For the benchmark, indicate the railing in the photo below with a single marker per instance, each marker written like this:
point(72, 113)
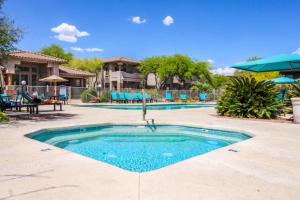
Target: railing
point(47, 91)
point(121, 75)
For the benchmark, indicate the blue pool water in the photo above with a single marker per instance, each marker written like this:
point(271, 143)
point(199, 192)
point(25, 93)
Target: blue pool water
point(150, 107)
point(139, 148)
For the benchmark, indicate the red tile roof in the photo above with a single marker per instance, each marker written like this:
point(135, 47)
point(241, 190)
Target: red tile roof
point(67, 71)
point(122, 60)
point(28, 55)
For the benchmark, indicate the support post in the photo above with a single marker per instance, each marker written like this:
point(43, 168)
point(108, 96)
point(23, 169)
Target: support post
point(144, 105)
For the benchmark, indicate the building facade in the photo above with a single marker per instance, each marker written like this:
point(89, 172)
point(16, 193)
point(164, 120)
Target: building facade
point(30, 67)
point(119, 73)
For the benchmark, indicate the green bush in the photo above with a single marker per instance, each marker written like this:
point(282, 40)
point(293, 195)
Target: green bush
point(104, 99)
point(3, 117)
point(87, 94)
point(246, 97)
point(296, 90)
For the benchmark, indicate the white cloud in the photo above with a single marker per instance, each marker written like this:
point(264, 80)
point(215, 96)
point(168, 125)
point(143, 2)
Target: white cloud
point(297, 51)
point(68, 33)
point(210, 61)
point(94, 50)
point(168, 20)
point(226, 71)
point(138, 20)
point(79, 49)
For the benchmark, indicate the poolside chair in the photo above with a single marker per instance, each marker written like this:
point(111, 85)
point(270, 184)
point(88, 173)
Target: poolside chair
point(183, 97)
point(128, 97)
point(114, 97)
point(140, 97)
point(148, 97)
point(281, 95)
point(202, 96)
point(122, 97)
point(135, 97)
point(169, 96)
point(4, 102)
point(63, 94)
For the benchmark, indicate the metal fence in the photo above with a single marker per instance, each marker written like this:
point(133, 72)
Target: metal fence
point(75, 92)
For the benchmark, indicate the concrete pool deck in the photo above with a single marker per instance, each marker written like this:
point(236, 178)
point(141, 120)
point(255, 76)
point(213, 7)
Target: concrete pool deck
point(266, 166)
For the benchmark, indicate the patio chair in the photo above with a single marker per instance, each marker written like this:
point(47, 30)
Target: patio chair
point(183, 97)
point(148, 97)
point(281, 95)
point(135, 97)
point(114, 97)
point(128, 97)
point(202, 96)
point(4, 102)
point(169, 96)
point(63, 94)
point(122, 97)
point(140, 97)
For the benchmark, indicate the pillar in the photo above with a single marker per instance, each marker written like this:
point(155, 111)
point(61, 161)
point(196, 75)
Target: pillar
point(9, 79)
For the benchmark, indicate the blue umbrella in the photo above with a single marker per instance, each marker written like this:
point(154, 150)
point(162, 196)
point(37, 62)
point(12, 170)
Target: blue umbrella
point(284, 80)
point(283, 62)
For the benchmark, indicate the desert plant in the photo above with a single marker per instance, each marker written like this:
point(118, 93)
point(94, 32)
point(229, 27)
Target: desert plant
point(246, 97)
point(3, 117)
point(296, 90)
point(87, 94)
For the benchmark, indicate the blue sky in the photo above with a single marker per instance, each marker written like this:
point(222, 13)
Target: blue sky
point(224, 31)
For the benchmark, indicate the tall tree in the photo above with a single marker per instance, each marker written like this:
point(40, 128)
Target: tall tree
point(93, 65)
point(9, 34)
point(56, 51)
point(151, 66)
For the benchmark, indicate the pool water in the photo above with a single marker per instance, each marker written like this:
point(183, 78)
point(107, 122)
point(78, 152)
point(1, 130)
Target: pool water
point(139, 148)
point(150, 107)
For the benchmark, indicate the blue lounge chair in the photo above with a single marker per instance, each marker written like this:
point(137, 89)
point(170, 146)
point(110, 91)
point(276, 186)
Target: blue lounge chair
point(114, 97)
point(135, 97)
point(202, 96)
point(128, 97)
point(122, 97)
point(4, 102)
point(183, 97)
point(63, 94)
point(169, 96)
point(147, 97)
point(140, 97)
point(281, 95)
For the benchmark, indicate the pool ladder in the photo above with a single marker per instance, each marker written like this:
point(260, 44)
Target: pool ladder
point(151, 125)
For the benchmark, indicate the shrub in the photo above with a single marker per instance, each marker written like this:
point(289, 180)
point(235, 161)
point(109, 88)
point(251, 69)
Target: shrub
point(3, 117)
point(246, 97)
point(104, 99)
point(87, 94)
point(296, 90)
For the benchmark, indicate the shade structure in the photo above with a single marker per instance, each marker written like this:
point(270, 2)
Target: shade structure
point(282, 62)
point(284, 80)
point(53, 79)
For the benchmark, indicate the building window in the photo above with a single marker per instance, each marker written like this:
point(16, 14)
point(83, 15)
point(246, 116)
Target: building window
point(78, 82)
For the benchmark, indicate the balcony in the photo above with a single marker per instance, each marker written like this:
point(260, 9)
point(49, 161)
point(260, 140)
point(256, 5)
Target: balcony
point(124, 76)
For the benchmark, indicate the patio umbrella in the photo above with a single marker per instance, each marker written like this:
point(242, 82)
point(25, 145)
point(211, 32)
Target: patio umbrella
point(283, 62)
point(53, 79)
point(2, 83)
point(284, 80)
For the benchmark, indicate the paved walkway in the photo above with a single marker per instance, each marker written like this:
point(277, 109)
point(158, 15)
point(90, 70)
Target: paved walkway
point(264, 167)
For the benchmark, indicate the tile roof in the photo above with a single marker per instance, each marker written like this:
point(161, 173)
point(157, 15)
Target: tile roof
point(121, 59)
point(74, 72)
point(28, 55)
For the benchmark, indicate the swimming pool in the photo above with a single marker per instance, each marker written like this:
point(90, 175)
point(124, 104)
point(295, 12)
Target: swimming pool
point(139, 148)
point(150, 107)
